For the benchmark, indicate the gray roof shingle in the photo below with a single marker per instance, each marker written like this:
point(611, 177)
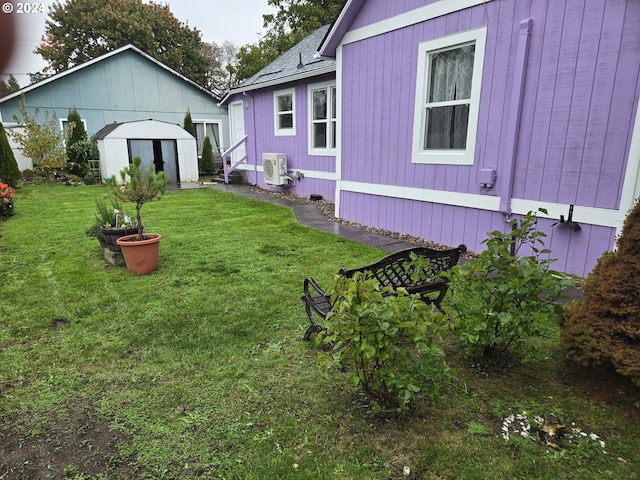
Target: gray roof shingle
point(299, 61)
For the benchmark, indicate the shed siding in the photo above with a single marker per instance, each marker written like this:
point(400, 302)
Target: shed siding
point(577, 116)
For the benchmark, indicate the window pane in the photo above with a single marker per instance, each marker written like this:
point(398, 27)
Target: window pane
point(285, 103)
point(199, 128)
point(446, 128)
point(333, 103)
point(319, 135)
point(285, 120)
point(451, 73)
point(333, 134)
point(319, 104)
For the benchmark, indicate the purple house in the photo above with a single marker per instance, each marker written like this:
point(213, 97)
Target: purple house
point(446, 118)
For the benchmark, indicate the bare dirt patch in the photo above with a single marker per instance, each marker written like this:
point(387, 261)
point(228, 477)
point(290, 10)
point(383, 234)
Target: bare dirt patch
point(71, 444)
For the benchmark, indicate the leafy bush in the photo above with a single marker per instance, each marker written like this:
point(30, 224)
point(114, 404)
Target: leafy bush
point(6, 200)
point(503, 297)
point(40, 141)
point(390, 343)
point(78, 156)
point(604, 328)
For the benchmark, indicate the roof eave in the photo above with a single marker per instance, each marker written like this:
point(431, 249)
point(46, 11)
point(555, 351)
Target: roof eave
point(339, 27)
point(112, 53)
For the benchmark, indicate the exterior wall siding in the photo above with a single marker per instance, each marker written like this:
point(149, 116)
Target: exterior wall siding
point(121, 88)
point(259, 127)
point(577, 116)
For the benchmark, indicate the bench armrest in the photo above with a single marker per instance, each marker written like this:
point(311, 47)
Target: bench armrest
point(310, 282)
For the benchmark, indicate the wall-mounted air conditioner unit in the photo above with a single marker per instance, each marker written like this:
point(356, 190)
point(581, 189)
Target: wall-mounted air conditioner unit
point(274, 168)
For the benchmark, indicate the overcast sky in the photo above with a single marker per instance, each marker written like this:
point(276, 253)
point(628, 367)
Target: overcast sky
point(237, 20)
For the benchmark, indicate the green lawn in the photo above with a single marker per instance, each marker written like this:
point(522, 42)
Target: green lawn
point(198, 370)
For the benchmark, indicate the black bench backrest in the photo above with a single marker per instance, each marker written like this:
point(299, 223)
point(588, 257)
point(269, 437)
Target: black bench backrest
point(392, 269)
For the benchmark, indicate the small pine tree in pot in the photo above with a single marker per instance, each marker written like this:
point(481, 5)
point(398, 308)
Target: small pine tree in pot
point(139, 186)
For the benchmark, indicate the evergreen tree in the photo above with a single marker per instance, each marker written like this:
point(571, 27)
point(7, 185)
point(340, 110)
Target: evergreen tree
point(187, 124)
point(605, 327)
point(8, 87)
point(9, 171)
point(206, 162)
point(77, 133)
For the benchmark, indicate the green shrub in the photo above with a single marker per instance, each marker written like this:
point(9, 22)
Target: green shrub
point(605, 326)
point(504, 297)
point(187, 124)
point(9, 171)
point(206, 162)
point(389, 343)
point(79, 155)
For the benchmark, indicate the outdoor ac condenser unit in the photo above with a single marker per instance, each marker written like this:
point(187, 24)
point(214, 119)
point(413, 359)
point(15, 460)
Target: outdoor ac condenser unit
point(274, 168)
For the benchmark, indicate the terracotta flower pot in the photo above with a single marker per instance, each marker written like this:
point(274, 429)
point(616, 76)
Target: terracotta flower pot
point(141, 257)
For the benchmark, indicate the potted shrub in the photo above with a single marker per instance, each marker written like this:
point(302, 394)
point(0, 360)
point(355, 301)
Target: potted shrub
point(110, 224)
point(139, 186)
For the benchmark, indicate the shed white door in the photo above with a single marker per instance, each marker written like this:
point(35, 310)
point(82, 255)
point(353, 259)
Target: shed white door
point(162, 154)
point(236, 119)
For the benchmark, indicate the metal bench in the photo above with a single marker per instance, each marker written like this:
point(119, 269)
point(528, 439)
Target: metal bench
point(392, 270)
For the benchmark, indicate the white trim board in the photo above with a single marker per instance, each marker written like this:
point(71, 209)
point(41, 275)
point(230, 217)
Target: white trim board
point(412, 17)
point(588, 215)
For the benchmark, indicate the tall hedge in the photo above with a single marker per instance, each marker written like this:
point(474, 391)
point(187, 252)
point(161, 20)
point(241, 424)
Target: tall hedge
point(9, 171)
point(605, 326)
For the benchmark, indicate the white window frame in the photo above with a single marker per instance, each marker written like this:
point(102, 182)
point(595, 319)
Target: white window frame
point(448, 157)
point(283, 132)
point(221, 147)
point(65, 121)
point(332, 118)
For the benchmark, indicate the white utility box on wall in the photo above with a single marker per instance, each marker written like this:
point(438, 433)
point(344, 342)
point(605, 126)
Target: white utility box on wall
point(274, 168)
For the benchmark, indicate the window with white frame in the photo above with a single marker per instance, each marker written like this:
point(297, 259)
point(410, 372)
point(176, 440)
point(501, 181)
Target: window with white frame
point(447, 98)
point(211, 129)
point(64, 122)
point(284, 106)
point(323, 119)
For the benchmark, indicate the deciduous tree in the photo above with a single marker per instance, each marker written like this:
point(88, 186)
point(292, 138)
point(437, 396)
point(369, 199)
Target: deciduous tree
point(221, 60)
point(79, 30)
point(40, 141)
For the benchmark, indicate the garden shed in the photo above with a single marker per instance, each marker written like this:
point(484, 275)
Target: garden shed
point(167, 146)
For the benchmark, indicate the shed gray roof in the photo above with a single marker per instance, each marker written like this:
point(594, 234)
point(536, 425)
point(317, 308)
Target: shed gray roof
point(106, 130)
point(110, 127)
point(299, 62)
